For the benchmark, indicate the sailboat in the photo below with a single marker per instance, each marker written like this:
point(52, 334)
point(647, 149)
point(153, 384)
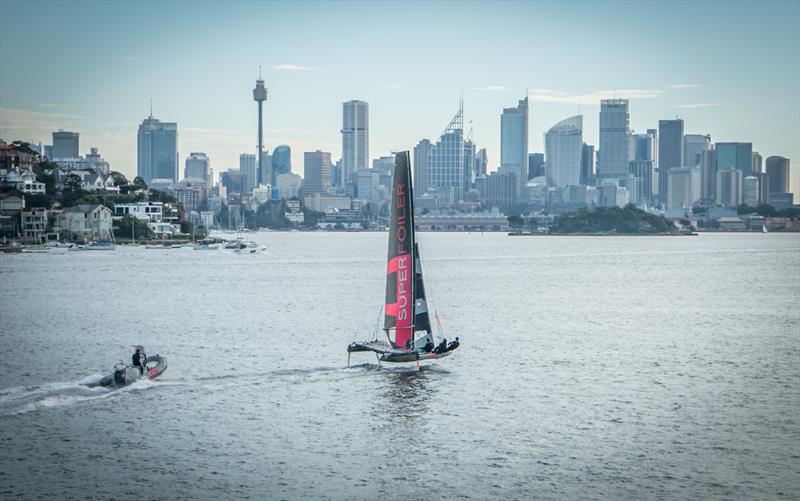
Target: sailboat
point(406, 321)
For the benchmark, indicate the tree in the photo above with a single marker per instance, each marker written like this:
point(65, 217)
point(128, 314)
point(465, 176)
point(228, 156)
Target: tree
point(141, 231)
point(139, 184)
point(38, 200)
point(119, 178)
point(515, 221)
point(73, 183)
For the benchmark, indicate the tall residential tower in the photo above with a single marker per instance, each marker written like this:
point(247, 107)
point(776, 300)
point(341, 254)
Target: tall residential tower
point(612, 158)
point(355, 139)
point(514, 143)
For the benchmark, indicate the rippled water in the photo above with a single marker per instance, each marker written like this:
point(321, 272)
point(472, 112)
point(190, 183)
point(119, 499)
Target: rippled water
point(593, 368)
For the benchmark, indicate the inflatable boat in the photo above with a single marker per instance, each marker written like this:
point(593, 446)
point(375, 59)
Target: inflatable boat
point(123, 375)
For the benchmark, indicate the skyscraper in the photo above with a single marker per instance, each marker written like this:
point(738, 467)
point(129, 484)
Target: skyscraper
point(260, 95)
point(708, 175)
point(778, 174)
point(737, 156)
point(612, 159)
point(481, 163)
point(65, 144)
point(563, 152)
point(157, 150)
point(729, 187)
point(693, 145)
point(197, 166)
point(355, 139)
point(421, 151)
point(316, 172)
point(587, 163)
point(535, 165)
point(281, 160)
point(751, 193)
point(514, 143)
point(757, 165)
point(446, 162)
point(670, 153)
point(247, 168)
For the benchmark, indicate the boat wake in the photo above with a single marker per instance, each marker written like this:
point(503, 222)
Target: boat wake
point(24, 399)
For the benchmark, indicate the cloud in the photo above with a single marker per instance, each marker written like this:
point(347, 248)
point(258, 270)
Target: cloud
point(494, 88)
point(595, 97)
point(48, 105)
point(684, 86)
point(290, 67)
point(392, 86)
point(546, 92)
point(696, 105)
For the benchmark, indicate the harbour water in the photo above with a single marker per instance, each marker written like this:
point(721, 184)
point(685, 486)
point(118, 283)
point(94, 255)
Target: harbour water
point(590, 368)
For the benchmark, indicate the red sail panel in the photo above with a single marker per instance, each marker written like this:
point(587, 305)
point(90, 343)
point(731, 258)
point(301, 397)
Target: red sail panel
point(399, 319)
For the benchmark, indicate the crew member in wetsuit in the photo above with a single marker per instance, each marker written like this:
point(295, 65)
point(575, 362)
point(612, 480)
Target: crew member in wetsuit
point(139, 360)
point(442, 346)
point(428, 345)
point(452, 346)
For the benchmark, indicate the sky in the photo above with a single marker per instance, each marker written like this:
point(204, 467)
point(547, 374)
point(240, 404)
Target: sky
point(729, 69)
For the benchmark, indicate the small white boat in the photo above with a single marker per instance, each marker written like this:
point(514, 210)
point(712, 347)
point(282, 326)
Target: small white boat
point(105, 245)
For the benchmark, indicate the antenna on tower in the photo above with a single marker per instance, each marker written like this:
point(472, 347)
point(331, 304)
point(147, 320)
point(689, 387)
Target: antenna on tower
point(259, 72)
point(151, 107)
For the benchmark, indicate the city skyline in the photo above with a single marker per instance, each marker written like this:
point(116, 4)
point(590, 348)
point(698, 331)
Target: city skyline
point(104, 92)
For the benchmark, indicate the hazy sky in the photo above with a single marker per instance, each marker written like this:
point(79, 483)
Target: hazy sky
point(730, 69)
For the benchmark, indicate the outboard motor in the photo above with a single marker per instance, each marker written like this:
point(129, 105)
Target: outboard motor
point(119, 376)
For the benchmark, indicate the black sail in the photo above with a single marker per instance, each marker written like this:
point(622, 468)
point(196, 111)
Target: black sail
point(422, 320)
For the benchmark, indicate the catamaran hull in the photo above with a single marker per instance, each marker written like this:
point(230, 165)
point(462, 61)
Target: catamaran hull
point(156, 365)
point(388, 354)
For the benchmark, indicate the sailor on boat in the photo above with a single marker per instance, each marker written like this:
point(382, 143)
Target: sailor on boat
point(139, 359)
point(407, 322)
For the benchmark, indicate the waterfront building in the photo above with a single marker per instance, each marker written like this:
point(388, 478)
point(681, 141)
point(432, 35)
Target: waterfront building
point(781, 200)
point(693, 146)
point(65, 144)
point(612, 159)
point(157, 150)
point(33, 223)
point(778, 174)
point(316, 172)
point(318, 202)
point(87, 221)
point(259, 96)
point(564, 150)
point(493, 220)
point(729, 187)
point(247, 169)
point(670, 153)
point(289, 185)
point(514, 143)
point(197, 166)
point(682, 187)
point(355, 139)
point(148, 211)
point(500, 189)
point(535, 165)
point(446, 162)
point(737, 156)
point(751, 194)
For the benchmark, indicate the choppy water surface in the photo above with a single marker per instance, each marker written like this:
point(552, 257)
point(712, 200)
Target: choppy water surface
point(627, 368)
